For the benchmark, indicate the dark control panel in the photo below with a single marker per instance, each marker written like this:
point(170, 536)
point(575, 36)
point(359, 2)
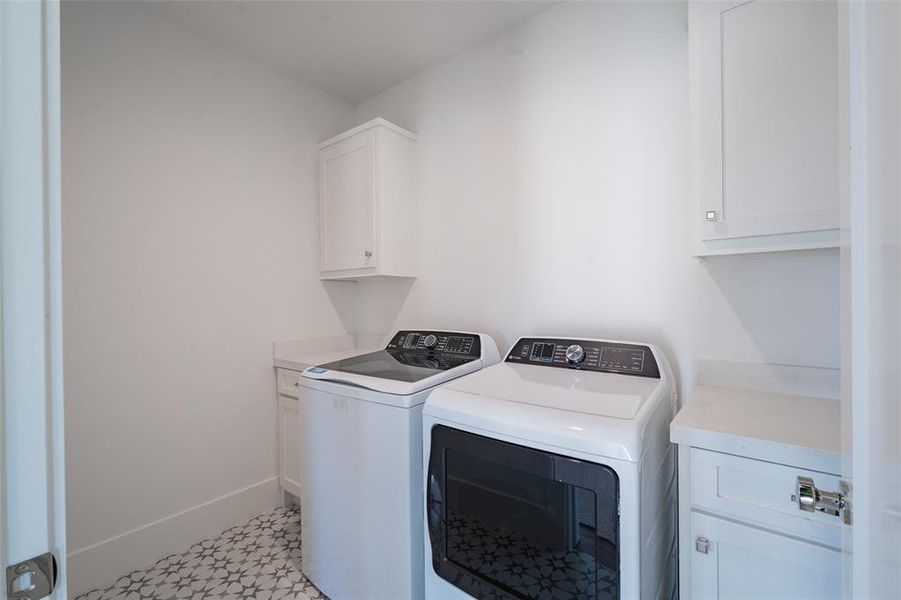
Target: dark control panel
point(586, 355)
point(437, 342)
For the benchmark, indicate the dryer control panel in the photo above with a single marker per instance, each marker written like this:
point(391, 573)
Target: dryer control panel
point(587, 355)
point(437, 342)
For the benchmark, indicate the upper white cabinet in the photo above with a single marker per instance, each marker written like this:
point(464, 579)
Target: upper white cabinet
point(367, 218)
point(765, 122)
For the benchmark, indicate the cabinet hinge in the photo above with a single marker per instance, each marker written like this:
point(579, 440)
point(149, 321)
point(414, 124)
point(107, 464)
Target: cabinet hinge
point(812, 499)
point(31, 579)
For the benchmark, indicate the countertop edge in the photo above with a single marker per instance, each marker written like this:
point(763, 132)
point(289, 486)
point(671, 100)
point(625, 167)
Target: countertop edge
point(802, 457)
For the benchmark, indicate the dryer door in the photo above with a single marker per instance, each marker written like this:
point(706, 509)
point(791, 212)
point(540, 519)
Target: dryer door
point(515, 522)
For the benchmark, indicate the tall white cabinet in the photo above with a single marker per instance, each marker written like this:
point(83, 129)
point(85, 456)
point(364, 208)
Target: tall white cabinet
point(766, 107)
point(368, 218)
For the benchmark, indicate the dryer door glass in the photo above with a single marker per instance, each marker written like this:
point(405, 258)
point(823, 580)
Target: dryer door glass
point(515, 522)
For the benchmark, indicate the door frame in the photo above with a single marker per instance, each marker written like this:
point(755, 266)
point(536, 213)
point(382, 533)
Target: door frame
point(871, 238)
point(32, 426)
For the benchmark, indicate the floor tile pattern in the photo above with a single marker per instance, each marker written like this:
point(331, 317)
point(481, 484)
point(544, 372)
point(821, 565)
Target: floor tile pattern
point(528, 570)
point(260, 560)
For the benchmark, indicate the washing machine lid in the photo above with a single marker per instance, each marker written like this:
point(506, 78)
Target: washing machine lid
point(594, 411)
point(411, 362)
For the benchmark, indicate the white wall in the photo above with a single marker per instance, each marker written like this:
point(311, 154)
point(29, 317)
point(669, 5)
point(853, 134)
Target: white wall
point(553, 185)
point(553, 191)
point(190, 244)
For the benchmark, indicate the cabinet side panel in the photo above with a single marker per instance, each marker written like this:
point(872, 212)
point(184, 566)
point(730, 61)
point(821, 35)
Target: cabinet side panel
point(397, 205)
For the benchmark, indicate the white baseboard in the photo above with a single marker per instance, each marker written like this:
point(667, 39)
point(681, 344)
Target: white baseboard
point(102, 563)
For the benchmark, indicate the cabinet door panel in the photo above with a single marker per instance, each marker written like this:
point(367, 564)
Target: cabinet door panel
point(347, 188)
point(768, 117)
point(288, 382)
point(289, 445)
point(746, 562)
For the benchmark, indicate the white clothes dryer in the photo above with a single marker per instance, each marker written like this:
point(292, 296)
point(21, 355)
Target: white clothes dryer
point(551, 475)
point(361, 461)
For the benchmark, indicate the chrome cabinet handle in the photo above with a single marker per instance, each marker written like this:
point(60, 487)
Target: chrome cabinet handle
point(702, 545)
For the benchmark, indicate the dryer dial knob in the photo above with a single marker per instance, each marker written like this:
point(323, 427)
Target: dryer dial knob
point(575, 354)
point(430, 341)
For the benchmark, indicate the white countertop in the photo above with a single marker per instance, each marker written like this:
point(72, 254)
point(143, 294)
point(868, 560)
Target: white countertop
point(303, 361)
point(298, 355)
point(801, 431)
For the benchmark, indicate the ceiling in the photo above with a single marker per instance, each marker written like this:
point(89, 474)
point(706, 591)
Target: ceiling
point(352, 49)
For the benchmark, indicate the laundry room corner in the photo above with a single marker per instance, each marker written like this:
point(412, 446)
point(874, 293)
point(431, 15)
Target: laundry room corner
point(442, 300)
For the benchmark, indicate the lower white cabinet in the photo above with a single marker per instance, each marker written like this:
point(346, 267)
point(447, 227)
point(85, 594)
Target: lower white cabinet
point(743, 534)
point(734, 560)
point(289, 445)
point(289, 433)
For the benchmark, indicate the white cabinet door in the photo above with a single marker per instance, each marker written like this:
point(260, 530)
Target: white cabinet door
point(347, 204)
point(289, 447)
point(746, 562)
point(765, 96)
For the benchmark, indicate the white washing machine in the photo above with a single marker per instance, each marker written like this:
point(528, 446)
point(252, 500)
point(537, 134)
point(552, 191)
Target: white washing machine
point(361, 476)
point(551, 475)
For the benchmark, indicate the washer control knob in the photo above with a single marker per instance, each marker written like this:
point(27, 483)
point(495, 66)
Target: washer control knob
point(575, 354)
point(430, 341)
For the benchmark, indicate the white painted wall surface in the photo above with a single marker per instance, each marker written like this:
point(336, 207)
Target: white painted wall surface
point(553, 184)
point(552, 168)
point(190, 244)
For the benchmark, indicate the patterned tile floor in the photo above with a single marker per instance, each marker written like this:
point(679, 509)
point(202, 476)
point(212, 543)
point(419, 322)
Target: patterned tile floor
point(260, 559)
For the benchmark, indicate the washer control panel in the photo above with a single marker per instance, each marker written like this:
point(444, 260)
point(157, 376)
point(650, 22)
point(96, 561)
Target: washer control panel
point(437, 342)
point(587, 355)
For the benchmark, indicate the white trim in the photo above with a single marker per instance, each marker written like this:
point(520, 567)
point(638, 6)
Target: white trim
point(32, 509)
point(53, 191)
point(377, 122)
point(102, 563)
point(857, 552)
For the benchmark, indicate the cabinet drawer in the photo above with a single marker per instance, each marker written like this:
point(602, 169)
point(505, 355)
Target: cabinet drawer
point(288, 382)
point(760, 493)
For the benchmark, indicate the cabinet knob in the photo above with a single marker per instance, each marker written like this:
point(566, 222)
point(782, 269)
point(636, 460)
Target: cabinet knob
point(711, 215)
point(368, 253)
point(702, 544)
